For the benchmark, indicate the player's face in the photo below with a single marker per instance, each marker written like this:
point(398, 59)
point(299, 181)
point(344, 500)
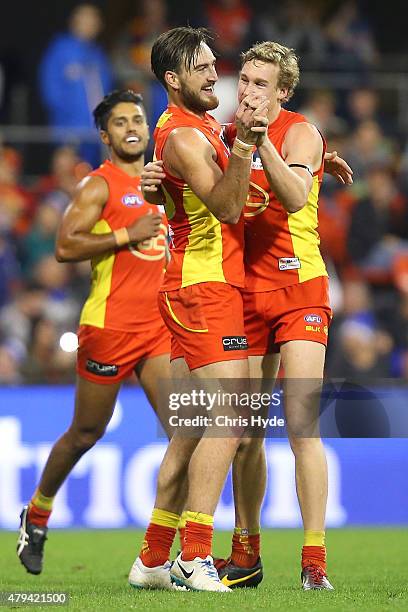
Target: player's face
point(127, 131)
point(196, 86)
point(257, 77)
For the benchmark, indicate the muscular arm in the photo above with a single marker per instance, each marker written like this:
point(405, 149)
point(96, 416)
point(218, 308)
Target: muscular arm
point(75, 241)
point(303, 145)
point(190, 156)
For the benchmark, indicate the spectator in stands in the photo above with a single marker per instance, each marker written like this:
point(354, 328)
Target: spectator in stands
point(17, 205)
point(367, 146)
point(320, 109)
point(131, 56)
point(362, 347)
point(39, 242)
point(66, 171)
point(351, 42)
point(9, 269)
point(295, 24)
point(379, 225)
point(75, 74)
point(230, 20)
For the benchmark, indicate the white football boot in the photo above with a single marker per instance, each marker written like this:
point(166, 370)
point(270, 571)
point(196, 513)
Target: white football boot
point(143, 577)
point(197, 575)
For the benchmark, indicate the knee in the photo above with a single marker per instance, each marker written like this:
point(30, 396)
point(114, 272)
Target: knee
point(250, 445)
point(83, 440)
point(302, 445)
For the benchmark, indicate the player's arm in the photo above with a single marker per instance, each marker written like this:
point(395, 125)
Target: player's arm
point(303, 145)
point(75, 240)
point(190, 156)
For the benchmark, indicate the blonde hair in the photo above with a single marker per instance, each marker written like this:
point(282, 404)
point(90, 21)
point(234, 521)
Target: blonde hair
point(283, 57)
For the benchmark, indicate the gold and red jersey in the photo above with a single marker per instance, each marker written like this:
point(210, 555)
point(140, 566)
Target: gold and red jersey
point(126, 281)
point(202, 248)
point(281, 248)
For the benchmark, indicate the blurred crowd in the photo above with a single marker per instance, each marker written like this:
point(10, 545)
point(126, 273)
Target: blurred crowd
point(363, 227)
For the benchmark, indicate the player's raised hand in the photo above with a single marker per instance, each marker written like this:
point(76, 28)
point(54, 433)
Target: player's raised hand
point(338, 167)
point(251, 113)
point(144, 228)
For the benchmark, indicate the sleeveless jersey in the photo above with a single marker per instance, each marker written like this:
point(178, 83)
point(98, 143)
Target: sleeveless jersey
point(281, 248)
point(202, 248)
point(125, 281)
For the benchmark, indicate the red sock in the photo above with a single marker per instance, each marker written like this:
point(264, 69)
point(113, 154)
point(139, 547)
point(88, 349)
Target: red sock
point(245, 548)
point(197, 541)
point(157, 544)
point(38, 516)
point(314, 555)
point(182, 535)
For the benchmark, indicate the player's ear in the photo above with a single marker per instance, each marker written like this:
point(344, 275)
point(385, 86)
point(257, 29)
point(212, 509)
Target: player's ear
point(172, 80)
point(282, 94)
point(105, 137)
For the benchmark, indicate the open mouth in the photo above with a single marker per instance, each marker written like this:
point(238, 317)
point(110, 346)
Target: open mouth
point(208, 90)
point(132, 139)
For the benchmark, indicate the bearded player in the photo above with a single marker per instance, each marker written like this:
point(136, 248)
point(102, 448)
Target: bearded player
point(205, 187)
point(286, 308)
point(121, 330)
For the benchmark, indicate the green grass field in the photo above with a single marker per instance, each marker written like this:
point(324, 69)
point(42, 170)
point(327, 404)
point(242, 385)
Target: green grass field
point(367, 567)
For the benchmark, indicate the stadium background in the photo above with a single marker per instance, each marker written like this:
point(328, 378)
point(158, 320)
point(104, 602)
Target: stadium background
point(354, 87)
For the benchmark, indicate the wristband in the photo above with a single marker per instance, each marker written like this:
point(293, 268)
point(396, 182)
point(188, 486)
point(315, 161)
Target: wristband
point(242, 149)
point(121, 236)
point(244, 144)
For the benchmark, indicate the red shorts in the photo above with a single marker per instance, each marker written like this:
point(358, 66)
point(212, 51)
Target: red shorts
point(206, 322)
point(107, 356)
point(297, 312)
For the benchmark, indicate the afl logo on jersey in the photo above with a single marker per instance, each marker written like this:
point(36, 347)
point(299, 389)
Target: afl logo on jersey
point(132, 200)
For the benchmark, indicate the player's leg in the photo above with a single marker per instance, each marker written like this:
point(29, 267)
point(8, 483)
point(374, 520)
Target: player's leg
point(94, 405)
point(209, 464)
point(243, 568)
point(151, 567)
point(303, 363)
point(200, 317)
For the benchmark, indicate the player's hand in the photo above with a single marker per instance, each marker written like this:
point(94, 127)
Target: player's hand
point(252, 113)
point(151, 179)
point(144, 228)
point(337, 167)
point(152, 176)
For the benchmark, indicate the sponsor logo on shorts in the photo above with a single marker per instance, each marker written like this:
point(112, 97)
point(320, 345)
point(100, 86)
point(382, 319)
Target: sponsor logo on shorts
point(132, 200)
point(235, 343)
point(313, 328)
point(313, 318)
point(101, 369)
point(289, 263)
point(326, 330)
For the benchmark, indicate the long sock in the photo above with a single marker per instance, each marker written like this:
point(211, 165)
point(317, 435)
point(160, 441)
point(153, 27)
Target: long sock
point(198, 536)
point(314, 549)
point(39, 509)
point(159, 537)
point(246, 546)
point(182, 528)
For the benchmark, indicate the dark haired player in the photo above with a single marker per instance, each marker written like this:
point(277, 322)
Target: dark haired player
point(206, 186)
point(121, 330)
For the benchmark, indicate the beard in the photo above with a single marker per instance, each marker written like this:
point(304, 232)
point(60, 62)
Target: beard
point(126, 156)
point(196, 102)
